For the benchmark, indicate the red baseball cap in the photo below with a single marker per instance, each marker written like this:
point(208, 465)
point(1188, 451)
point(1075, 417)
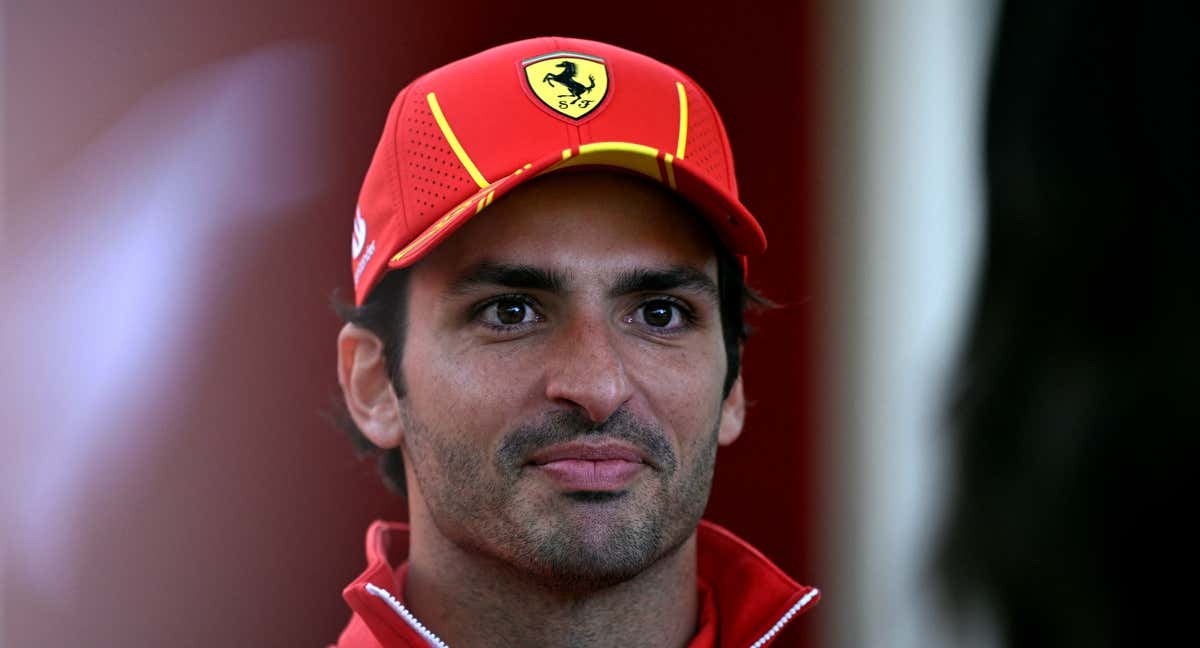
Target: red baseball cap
point(463, 135)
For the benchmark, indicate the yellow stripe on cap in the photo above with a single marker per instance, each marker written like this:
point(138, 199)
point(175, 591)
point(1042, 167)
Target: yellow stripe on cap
point(433, 229)
point(426, 235)
point(448, 133)
point(485, 201)
point(626, 155)
point(668, 158)
point(683, 120)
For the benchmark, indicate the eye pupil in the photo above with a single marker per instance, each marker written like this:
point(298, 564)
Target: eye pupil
point(510, 312)
point(657, 314)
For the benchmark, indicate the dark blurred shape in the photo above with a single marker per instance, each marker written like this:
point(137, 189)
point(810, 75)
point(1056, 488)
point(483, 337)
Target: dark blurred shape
point(1076, 418)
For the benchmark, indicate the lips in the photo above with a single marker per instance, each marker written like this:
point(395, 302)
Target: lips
point(577, 466)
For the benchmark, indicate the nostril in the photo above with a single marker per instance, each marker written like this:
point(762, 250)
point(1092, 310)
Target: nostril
point(596, 390)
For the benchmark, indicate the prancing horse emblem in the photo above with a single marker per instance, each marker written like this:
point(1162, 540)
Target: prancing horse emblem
point(557, 81)
point(567, 78)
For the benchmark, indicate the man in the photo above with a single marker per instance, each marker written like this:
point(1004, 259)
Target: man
point(549, 258)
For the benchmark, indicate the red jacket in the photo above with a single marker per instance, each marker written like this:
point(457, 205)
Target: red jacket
point(745, 600)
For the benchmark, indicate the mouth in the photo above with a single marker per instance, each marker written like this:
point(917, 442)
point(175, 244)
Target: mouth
point(604, 467)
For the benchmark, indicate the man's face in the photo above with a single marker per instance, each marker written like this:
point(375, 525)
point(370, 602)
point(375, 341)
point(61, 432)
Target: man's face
point(563, 373)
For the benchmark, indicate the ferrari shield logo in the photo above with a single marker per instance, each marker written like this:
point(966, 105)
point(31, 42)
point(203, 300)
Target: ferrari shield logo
point(569, 83)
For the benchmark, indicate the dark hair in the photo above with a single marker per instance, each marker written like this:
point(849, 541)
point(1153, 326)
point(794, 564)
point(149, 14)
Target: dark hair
point(385, 313)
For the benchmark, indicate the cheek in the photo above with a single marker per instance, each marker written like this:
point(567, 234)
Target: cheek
point(475, 389)
point(681, 386)
point(471, 389)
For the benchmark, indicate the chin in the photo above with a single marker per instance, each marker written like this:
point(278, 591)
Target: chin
point(591, 554)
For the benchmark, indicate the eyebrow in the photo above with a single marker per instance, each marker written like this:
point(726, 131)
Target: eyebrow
point(525, 277)
point(529, 277)
point(673, 278)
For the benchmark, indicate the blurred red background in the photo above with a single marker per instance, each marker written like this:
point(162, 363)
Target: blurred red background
point(198, 497)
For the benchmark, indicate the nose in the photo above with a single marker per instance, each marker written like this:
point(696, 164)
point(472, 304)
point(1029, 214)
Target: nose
point(587, 371)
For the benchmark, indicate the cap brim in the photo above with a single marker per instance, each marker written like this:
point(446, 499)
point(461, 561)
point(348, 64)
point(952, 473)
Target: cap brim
point(732, 222)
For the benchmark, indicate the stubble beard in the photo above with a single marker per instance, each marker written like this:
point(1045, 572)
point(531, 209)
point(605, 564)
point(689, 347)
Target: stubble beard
point(562, 543)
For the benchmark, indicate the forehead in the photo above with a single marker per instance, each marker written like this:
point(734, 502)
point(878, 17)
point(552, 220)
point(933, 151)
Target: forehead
point(584, 222)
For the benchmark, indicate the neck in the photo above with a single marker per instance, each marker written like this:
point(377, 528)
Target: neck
point(470, 600)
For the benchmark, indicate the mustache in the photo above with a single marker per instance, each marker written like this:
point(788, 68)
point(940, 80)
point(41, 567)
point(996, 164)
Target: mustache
point(563, 426)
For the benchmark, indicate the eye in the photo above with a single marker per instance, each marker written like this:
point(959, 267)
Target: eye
point(508, 311)
point(661, 314)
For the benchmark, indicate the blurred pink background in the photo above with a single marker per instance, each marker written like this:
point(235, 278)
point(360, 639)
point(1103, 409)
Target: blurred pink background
point(179, 181)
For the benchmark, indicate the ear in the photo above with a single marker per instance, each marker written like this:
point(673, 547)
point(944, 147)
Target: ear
point(733, 414)
point(366, 386)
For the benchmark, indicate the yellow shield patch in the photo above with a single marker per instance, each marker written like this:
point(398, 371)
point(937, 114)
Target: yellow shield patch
point(569, 83)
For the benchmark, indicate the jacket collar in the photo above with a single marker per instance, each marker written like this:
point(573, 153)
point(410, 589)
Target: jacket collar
point(745, 599)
